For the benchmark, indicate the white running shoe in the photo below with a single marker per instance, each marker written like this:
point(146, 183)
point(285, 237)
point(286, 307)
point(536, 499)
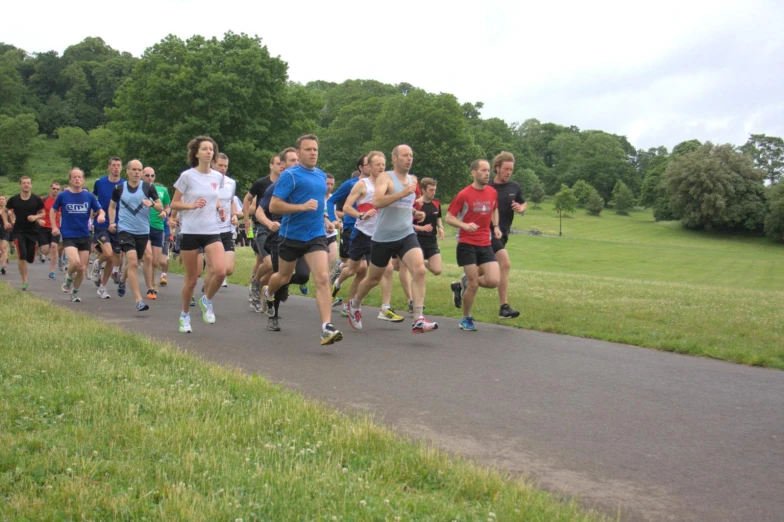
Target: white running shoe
point(102, 293)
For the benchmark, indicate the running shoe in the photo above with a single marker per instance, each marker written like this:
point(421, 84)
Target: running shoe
point(250, 290)
point(507, 312)
point(207, 314)
point(335, 273)
point(390, 315)
point(255, 290)
point(163, 281)
point(335, 290)
point(422, 325)
point(151, 295)
point(255, 305)
point(90, 269)
point(193, 301)
point(121, 289)
point(467, 324)
point(303, 289)
point(337, 301)
point(267, 306)
point(457, 294)
point(272, 324)
point(97, 273)
point(13, 249)
point(60, 264)
point(344, 310)
point(75, 296)
point(52, 276)
point(354, 317)
point(411, 307)
point(116, 277)
point(67, 285)
point(43, 259)
point(102, 293)
point(2, 271)
point(25, 286)
point(330, 335)
point(185, 324)
point(141, 306)
point(225, 283)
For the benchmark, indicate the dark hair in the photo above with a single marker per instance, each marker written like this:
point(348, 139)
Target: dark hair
point(115, 158)
point(475, 164)
point(361, 161)
point(299, 141)
point(330, 176)
point(193, 149)
point(284, 152)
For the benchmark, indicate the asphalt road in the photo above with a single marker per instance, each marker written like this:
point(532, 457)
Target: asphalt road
point(654, 435)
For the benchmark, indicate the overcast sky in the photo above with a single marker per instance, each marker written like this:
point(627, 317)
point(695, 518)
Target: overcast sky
point(658, 72)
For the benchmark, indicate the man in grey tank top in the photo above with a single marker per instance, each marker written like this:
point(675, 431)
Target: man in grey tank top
point(394, 196)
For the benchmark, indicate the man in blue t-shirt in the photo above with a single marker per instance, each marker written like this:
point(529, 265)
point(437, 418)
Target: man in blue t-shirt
point(76, 205)
point(106, 243)
point(299, 196)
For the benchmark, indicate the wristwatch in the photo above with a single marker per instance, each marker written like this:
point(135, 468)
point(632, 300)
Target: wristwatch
point(361, 216)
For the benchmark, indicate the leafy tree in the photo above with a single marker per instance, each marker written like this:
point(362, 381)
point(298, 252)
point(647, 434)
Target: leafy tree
point(230, 89)
point(567, 158)
point(74, 144)
point(716, 187)
point(767, 152)
point(774, 220)
point(537, 194)
point(565, 201)
point(685, 147)
point(526, 178)
point(594, 204)
point(12, 88)
point(623, 198)
point(581, 191)
point(443, 147)
point(17, 135)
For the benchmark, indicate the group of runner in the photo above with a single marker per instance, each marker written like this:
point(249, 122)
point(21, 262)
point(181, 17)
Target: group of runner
point(388, 220)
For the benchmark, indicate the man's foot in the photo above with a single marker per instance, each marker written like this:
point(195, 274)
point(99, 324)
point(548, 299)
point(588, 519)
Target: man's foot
point(457, 294)
point(185, 324)
point(335, 273)
point(337, 301)
point(43, 259)
point(507, 312)
point(75, 297)
point(330, 335)
point(344, 310)
point(2, 271)
point(467, 324)
point(67, 285)
point(151, 294)
point(256, 306)
point(354, 317)
point(267, 305)
point(52, 276)
point(225, 283)
point(141, 306)
point(250, 290)
point(422, 325)
point(390, 315)
point(96, 273)
point(193, 301)
point(121, 289)
point(335, 290)
point(163, 281)
point(411, 307)
point(272, 324)
point(303, 289)
point(207, 314)
point(25, 286)
point(102, 293)
point(116, 277)
point(90, 269)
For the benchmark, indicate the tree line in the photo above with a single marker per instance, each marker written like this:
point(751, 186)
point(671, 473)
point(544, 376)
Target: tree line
point(101, 102)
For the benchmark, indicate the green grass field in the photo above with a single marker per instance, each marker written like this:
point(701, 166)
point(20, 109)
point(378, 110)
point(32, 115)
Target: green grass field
point(45, 166)
point(100, 424)
point(629, 279)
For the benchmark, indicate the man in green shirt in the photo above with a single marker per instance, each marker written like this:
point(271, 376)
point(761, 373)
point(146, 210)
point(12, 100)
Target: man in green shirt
point(157, 238)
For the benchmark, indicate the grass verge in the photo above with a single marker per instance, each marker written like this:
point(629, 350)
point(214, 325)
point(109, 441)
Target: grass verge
point(99, 424)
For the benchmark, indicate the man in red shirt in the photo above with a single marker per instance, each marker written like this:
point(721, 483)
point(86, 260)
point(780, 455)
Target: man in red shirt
point(473, 211)
point(48, 243)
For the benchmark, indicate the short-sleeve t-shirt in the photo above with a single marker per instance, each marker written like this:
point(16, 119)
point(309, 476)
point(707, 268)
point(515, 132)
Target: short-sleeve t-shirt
point(508, 193)
point(24, 208)
point(75, 209)
point(298, 185)
point(194, 185)
point(258, 189)
point(226, 196)
point(103, 190)
point(48, 202)
point(472, 205)
point(432, 212)
point(156, 221)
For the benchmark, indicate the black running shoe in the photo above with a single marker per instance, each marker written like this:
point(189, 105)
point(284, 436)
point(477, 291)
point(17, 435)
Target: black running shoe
point(507, 312)
point(457, 294)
